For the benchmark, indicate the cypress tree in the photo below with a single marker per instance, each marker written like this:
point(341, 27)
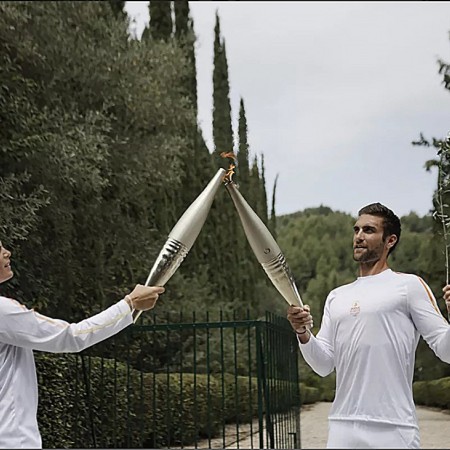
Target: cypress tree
point(223, 216)
point(253, 196)
point(243, 170)
point(185, 35)
point(257, 197)
point(262, 193)
point(117, 7)
point(183, 22)
point(273, 216)
point(251, 272)
point(160, 20)
point(222, 128)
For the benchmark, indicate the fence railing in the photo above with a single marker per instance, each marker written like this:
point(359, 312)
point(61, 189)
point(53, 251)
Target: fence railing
point(178, 383)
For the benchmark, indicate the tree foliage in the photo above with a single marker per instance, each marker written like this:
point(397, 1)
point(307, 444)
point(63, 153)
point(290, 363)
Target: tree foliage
point(93, 129)
point(222, 127)
point(101, 154)
point(243, 170)
point(160, 19)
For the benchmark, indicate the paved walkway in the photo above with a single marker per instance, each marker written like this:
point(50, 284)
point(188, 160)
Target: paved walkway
point(434, 426)
point(434, 430)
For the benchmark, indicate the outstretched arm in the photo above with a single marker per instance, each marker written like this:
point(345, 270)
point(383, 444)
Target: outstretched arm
point(23, 327)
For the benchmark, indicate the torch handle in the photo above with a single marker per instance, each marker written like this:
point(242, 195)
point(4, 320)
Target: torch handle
point(135, 314)
point(169, 259)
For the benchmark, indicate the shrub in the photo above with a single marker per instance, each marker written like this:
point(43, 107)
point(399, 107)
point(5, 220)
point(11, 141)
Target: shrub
point(309, 394)
point(91, 401)
point(433, 393)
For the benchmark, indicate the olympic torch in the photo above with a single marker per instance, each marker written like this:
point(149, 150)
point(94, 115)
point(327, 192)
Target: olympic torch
point(182, 236)
point(265, 247)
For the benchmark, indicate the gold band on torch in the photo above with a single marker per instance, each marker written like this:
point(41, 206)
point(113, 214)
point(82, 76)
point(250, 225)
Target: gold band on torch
point(182, 236)
point(265, 248)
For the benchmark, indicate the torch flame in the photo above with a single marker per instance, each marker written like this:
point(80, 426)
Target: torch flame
point(227, 178)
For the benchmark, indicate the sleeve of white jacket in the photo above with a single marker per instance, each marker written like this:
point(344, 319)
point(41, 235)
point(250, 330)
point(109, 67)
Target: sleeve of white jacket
point(318, 352)
point(23, 327)
point(427, 318)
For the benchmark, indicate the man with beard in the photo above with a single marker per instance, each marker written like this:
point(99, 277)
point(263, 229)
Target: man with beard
point(23, 330)
point(369, 334)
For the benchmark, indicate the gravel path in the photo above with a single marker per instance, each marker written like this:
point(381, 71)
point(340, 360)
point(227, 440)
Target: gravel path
point(434, 426)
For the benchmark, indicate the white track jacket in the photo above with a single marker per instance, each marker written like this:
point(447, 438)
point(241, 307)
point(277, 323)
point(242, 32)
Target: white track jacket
point(23, 330)
point(369, 333)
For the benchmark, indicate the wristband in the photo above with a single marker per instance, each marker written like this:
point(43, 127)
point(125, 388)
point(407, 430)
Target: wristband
point(303, 332)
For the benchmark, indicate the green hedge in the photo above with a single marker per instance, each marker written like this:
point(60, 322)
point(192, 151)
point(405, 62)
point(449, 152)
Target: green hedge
point(309, 394)
point(66, 406)
point(57, 399)
point(433, 393)
point(177, 407)
point(181, 408)
point(325, 385)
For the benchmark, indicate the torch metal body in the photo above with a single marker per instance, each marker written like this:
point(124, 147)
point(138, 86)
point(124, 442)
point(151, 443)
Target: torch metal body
point(265, 248)
point(182, 236)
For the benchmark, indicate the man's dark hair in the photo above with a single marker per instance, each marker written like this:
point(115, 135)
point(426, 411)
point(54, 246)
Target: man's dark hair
point(391, 223)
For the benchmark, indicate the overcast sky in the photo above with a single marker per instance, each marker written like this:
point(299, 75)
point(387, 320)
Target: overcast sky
point(335, 92)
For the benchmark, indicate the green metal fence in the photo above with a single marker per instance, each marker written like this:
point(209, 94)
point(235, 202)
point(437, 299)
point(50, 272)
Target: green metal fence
point(197, 382)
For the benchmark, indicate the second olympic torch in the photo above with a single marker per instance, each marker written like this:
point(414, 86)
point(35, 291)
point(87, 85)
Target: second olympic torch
point(265, 248)
point(182, 236)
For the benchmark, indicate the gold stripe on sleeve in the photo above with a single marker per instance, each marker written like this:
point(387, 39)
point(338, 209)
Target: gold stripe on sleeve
point(431, 297)
point(89, 330)
point(50, 320)
point(100, 327)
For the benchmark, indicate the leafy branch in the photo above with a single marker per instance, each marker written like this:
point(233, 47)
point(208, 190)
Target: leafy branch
point(443, 188)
